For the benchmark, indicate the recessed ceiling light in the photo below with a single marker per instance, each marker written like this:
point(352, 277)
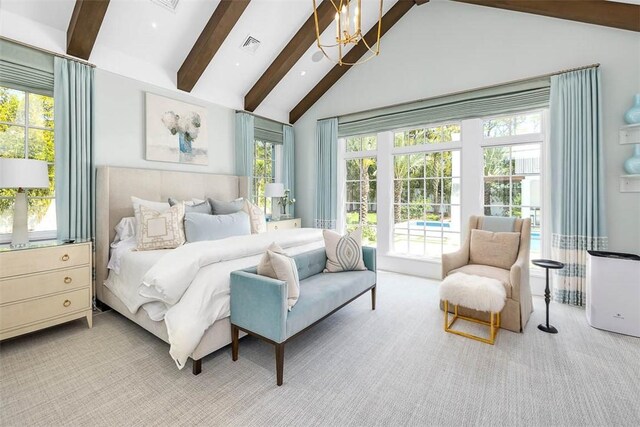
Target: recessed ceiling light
point(317, 57)
point(237, 64)
point(302, 73)
point(154, 25)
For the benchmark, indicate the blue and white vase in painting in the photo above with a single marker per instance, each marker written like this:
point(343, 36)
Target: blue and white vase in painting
point(185, 146)
point(632, 116)
point(632, 164)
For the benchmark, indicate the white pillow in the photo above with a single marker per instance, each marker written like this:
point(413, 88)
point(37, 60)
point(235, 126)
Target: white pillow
point(264, 266)
point(126, 229)
point(344, 253)
point(160, 230)
point(156, 206)
point(256, 216)
point(286, 270)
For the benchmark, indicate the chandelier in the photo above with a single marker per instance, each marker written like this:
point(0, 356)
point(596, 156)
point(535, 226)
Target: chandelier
point(348, 31)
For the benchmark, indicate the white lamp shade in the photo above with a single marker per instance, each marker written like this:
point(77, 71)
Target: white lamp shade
point(275, 189)
point(23, 173)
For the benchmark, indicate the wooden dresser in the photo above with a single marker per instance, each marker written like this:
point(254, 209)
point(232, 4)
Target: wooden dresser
point(283, 224)
point(44, 285)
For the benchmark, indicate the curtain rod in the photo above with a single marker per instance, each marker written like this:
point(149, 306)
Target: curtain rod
point(59, 55)
point(555, 73)
point(262, 117)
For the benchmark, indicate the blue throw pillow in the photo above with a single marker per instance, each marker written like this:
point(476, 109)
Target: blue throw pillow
point(225, 208)
point(199, 226)
point(203, 207)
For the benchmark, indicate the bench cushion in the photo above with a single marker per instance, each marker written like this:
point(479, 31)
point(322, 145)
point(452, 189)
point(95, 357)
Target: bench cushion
point(323, 293)
point(475, 292)
point(499, 274)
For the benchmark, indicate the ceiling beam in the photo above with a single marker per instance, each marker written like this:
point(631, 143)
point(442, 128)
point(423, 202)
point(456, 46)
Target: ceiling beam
point(214, 34)
point(84, 26)
point(292, 52)
point(600, 12)
point(392, 16)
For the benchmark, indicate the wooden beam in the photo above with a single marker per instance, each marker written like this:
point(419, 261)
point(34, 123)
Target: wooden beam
point(84, 26)
point(291, 53)
point(599, 12)
point(392, 16)
point(214, 34)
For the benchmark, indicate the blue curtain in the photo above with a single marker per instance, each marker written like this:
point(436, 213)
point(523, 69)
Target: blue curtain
point(577, 176)
point(73, 96)
point(326, 173)
point(288, 162)
point(245, 146)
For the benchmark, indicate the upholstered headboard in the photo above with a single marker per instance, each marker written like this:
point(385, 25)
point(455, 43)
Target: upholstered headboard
point(116, 185)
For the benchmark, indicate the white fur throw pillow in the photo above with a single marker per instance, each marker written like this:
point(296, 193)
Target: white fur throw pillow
point(256, 216)
point(344, 253)
point(264, 266)
point(160, 230)
point(287, 271)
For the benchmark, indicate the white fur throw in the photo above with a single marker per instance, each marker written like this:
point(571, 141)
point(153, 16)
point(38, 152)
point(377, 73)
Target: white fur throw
point(475, 292)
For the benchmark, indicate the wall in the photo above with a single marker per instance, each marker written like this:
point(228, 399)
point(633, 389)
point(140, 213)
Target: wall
point(120, 126)
point(444, 47)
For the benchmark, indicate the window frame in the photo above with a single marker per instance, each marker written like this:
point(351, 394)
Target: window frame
point(41, 234)
point(255, 197)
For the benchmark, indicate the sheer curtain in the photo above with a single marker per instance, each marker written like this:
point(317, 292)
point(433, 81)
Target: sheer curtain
point(245, 146)
point(74, 146)
point(288, 163)
point(326, 173)
point(577, 173)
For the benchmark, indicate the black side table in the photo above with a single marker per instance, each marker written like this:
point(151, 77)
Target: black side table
point(547, 264)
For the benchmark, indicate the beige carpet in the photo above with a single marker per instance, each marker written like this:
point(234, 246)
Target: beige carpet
point(392, 366)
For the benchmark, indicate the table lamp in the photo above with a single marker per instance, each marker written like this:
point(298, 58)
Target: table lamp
point(274, 190)
point(22, 174)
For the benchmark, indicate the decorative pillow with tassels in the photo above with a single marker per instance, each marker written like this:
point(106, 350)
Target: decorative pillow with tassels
point(344, 253)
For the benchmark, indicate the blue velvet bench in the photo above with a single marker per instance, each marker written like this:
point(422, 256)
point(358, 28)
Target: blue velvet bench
point(259, 303)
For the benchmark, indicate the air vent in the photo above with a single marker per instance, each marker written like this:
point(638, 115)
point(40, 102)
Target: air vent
point(167, 4)
point(250, 45)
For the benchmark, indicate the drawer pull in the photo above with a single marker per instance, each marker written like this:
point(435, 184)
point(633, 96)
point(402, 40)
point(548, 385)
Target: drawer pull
point(275, 227)
point(295, 224)
point(65, 257)
point(67, 280)
point(66, 303)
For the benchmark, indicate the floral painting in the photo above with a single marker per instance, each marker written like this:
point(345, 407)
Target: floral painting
point(176, 131)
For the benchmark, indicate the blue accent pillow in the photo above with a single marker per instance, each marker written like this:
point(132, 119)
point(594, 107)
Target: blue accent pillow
point(203, 207)
point(199, 226)
point(225, 208)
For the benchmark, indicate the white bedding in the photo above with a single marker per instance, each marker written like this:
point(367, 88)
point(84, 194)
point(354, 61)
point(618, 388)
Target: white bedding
point(188, 287)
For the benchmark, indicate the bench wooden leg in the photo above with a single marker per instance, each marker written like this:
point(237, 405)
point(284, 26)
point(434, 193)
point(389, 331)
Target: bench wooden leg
point(279, 363)
point(235, 336)
point(196, 366)
point(373, 298)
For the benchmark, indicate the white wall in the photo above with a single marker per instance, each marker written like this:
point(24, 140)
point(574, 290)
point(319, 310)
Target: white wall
point(443, 47)
point(120, 126)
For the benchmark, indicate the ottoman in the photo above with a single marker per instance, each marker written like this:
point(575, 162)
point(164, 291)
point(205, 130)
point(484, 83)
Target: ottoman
point(477, 293)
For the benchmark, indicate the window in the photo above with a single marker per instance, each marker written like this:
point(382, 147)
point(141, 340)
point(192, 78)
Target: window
point(512, 171)
point(263, 173)
point(26, 131)
point(361, 187)
point(426, 191)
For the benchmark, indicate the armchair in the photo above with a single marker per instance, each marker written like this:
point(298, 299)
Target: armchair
point(519, 304)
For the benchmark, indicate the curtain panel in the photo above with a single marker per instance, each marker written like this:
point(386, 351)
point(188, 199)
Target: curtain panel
point(288, 163)
point(326, 173)
point(74, 148)
point(495, 100)
point(577, 173)
point(27, 69)
point(245, 146)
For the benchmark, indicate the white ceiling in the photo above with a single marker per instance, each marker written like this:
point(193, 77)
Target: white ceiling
point(139, 31)
point(141, 39)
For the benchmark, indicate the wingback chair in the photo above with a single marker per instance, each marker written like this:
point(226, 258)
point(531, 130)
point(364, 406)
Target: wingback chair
point(519, 304)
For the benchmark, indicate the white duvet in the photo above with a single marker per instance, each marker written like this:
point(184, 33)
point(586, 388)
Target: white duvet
point(188, 287)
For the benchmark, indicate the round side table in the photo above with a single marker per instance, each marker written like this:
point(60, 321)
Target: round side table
point(547, 264)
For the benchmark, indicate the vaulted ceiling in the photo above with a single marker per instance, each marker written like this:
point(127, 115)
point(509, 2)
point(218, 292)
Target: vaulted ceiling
point(197, 47)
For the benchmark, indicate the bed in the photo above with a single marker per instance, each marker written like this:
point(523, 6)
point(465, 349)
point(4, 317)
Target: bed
point(115, 186)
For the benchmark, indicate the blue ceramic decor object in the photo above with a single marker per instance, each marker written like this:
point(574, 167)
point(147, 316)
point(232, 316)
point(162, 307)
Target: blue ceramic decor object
point(632, 164)
point(632, 116)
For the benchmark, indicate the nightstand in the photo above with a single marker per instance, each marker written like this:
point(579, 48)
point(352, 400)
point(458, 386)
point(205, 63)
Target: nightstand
point(42, 285)
point(283, 224)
